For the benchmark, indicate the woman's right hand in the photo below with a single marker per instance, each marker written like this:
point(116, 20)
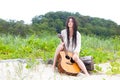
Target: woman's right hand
point(61, 45)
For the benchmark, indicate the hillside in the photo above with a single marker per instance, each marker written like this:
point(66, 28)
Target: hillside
point(51, 20)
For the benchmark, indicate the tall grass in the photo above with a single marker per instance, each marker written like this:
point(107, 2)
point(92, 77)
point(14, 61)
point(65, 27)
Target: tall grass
point(44, 46)
point(29, 47)
point(102, 49)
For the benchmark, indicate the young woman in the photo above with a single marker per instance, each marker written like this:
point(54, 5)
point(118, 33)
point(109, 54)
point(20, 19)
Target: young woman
point(72, 42)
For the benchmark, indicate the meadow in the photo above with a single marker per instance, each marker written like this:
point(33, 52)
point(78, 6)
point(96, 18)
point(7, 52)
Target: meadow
point(34, 47)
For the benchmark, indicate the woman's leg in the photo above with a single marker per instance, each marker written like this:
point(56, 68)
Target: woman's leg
point(58, 49)
point(80, 63)
point(55, 57)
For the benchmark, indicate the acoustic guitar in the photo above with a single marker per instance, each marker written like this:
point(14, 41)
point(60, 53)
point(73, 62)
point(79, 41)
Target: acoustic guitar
point(65, 62)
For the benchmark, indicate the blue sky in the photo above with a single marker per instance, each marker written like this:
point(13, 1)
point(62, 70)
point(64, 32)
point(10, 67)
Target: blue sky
point(27, 9)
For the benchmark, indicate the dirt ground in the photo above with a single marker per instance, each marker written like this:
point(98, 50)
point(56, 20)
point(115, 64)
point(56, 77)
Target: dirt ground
point(15, 69)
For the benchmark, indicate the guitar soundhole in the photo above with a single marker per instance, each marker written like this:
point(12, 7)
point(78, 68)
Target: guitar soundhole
point(71, 60)
point(67, 57)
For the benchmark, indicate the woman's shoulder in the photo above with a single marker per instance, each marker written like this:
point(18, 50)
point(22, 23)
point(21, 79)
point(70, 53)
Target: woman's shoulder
point(63, 31)
point(78, 33)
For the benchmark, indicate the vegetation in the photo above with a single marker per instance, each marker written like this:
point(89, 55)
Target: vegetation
point(44, 47)
point(51, 20)
point(100, 38)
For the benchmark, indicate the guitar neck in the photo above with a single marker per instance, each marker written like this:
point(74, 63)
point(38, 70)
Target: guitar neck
point(64, 48)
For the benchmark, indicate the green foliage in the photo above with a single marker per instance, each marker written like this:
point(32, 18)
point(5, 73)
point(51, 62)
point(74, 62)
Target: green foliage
point(98, 68)
point(115, 68)
point(31, 46)
point(49, 21)
point(31, 63)
point(43, 46)
point(100, 38)
point(101, 49)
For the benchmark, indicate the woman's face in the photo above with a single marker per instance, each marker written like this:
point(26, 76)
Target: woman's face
point(70, 23)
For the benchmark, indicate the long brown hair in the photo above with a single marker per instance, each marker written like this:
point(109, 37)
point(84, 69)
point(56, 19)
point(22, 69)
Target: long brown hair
point(74, 37)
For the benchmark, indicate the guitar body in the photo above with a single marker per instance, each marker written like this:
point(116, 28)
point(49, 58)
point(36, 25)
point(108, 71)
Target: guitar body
point(66, 66)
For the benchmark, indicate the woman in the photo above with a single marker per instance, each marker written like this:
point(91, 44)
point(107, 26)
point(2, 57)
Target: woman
point(72, 42)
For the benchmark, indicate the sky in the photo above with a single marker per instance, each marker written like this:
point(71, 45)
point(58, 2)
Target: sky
point(27, 9)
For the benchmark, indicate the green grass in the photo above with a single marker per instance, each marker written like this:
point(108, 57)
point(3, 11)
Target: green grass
point(101, 49)
point(32, 47)
point(44, 47)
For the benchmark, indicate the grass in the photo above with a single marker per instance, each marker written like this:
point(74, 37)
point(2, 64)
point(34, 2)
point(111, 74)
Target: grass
point(32, 47)
point(115, 68)
point(101, 49)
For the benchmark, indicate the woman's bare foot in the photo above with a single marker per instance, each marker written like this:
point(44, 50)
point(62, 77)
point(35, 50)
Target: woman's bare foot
point(87, 74)
point(53, 68)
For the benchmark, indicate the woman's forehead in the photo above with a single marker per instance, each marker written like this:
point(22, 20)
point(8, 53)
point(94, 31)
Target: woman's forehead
point(70, 19)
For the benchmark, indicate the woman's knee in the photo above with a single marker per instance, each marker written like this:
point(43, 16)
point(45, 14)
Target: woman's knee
point(60, 47)
point(75, 57)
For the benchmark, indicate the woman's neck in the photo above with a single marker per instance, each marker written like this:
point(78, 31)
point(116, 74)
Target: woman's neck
point(70, 32)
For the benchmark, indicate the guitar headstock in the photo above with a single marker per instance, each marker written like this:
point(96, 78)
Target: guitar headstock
point(60, 36)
